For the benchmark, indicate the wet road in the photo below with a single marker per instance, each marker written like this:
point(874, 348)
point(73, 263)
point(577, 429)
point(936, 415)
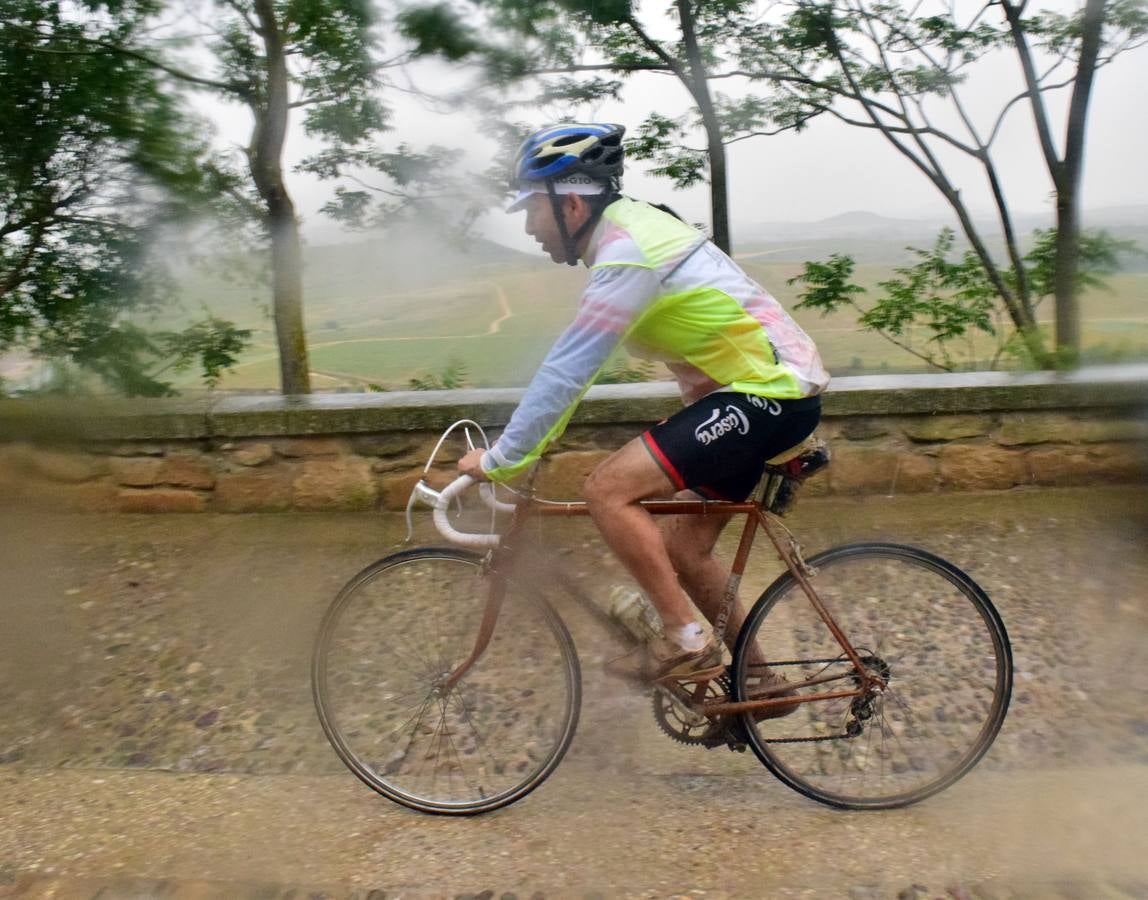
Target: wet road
point(158, 727)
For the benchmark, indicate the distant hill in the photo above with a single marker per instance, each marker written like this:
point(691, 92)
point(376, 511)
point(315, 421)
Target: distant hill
point(411, 257)
point(857, 224)
point(870, 237)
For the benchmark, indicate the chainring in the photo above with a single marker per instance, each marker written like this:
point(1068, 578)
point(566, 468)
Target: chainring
point(672, 722)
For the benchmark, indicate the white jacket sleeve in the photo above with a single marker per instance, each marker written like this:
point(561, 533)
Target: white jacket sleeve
point(611, 305)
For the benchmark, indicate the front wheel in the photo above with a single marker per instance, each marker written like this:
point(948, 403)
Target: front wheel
point(386, 646)
point(917, 622)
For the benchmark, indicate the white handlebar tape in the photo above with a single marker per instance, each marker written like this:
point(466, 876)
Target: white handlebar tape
point(442, 504)
point(486, 491)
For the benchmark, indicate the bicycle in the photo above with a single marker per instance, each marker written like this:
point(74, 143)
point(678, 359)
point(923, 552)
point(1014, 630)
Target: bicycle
point(451, 687)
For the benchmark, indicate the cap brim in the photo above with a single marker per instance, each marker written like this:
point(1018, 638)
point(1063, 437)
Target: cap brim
point(519, 201)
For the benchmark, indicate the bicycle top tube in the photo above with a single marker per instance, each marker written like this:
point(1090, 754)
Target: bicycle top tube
point(440, 501)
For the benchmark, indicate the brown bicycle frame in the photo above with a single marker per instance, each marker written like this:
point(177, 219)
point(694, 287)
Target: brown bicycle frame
point(502, 559)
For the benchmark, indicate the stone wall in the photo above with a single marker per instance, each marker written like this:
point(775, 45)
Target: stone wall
point(889, 434)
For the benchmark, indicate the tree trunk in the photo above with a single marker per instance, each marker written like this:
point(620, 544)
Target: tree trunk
point(715, 148)
point(1065, 280)
point(266, 160)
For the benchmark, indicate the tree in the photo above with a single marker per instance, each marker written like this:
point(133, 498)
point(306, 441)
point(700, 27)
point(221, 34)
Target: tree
point(569, 45)
point(94, 163)
point(275, 57)
point(951, 301)
point(877, 65)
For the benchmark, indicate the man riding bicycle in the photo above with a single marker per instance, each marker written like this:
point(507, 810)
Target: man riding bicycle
point(749, 379)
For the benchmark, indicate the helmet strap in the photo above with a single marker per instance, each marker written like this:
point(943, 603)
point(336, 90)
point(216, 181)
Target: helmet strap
point(597, 204)
point(569, 244)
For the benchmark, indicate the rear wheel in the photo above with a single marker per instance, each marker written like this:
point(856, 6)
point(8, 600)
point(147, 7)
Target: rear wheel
point(920, 624)
point(387, 644)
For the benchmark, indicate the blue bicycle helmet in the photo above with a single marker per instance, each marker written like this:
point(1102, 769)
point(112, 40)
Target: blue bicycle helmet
point(559, 151)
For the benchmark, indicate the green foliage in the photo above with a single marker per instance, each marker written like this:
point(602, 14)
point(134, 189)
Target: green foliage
point(436, 29)
point(659, 140)
point(449, 379)
point(1099, 255)
point(95, 163)
point(214, 343)
point(426, 185)
point(948, 300)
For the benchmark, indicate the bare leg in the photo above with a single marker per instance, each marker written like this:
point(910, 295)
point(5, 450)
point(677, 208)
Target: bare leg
point(690, 542)
point(613, 492)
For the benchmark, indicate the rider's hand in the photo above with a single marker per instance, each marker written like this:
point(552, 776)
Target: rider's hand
point(471, 465)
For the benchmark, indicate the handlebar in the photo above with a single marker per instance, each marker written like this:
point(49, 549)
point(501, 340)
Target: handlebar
point(440, 502)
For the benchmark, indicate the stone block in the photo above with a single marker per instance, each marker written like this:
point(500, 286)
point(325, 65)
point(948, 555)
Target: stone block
point(398, 464)
point(251, 455)
point(1035, 428)
point(564, 474)
point(135, 448)
point(916, 473)
point(982, 467)
point(187, 471)
point(601, 437)
point(858, 469)
point(1098, 431)
point(342, 483)
point(1099, 463)
point(160, 500)
point(387, 445)
point(396, 488)
point(251, 492)
point(136, 471)
point(923, 429)
point(864, 428)
point(69, 467)
point(309, 447)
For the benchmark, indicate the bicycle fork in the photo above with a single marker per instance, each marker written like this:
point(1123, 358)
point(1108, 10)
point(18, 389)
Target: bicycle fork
point(494, 597)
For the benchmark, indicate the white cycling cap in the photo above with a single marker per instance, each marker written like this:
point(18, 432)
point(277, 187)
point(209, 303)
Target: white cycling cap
point(572, 184)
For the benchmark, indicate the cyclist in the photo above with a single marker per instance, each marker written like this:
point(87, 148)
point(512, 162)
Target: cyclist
point(749, 379)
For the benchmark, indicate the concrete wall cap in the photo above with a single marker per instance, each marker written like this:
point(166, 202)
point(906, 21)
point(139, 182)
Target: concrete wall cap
point(235, 416)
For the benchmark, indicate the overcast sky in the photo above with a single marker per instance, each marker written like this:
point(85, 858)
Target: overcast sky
point(828, 169)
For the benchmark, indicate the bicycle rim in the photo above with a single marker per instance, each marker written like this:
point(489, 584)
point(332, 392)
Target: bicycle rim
point(386, 644)
point(918, 622)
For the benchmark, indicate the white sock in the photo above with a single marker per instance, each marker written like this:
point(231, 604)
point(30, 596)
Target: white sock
point(688, 637)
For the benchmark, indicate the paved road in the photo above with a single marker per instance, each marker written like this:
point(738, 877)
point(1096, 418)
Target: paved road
point(158, 741)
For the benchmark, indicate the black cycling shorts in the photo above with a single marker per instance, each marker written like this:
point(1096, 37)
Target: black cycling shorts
point(718, 446)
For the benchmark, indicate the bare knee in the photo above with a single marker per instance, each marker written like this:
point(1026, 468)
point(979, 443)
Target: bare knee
point(599, 491)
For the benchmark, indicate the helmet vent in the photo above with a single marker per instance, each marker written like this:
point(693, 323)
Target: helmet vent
point(541, 162)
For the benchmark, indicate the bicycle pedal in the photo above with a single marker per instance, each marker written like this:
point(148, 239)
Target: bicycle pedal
point(689, 713)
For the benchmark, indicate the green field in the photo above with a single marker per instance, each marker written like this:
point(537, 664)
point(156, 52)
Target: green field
point(379, 315)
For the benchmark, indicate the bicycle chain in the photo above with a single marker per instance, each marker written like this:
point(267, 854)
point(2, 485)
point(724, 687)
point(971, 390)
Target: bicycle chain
point(717, 735)
point(846, 736)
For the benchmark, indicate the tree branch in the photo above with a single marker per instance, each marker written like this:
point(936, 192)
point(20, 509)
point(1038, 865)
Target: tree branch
point(243, 14)
point(658, 50)
point(1017, 99)
point(1039, 112)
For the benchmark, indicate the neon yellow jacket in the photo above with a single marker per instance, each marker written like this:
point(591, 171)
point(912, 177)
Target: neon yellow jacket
point(665, 291)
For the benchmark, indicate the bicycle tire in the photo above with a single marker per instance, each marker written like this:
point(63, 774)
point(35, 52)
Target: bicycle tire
point(918, 621)
point(515, 711)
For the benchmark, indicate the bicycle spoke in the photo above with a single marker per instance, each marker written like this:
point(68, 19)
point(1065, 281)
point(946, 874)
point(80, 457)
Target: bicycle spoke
point(918, 624)
point(398, 631)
